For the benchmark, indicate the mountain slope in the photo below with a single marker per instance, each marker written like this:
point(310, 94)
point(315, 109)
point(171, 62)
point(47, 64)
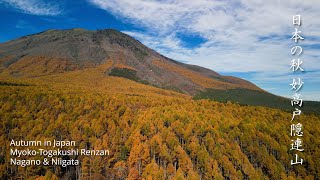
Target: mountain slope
point(117, 54)
point(57, 51)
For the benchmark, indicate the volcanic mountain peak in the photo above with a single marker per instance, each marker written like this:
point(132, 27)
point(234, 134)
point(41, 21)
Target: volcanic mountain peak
point(55, 51)
point(107, 53)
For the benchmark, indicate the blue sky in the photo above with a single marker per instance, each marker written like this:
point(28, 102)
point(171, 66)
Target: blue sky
point(247, 39)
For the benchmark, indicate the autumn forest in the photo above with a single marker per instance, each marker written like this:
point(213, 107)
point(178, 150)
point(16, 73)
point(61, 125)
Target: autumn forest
point(121, 96)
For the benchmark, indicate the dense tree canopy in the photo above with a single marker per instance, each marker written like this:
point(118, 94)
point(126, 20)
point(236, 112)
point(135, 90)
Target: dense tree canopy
point(151, 133)
point(155, 138)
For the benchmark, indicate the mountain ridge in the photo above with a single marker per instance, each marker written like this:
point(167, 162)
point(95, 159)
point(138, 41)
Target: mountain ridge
point(79, 48)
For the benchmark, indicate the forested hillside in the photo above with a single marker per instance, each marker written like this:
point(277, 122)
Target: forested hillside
point(151, 133)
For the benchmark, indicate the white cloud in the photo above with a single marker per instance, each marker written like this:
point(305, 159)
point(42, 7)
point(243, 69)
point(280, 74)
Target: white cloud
point(241, 36)
point(35, 7)
point(158, 15)
point(232, 30)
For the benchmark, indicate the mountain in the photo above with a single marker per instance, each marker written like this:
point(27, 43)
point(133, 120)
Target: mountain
point(58, 51)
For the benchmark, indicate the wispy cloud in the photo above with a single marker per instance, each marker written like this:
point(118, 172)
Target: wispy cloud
point(233, 30)
point(241, 36)
point(21, 24)
point(35, 7)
